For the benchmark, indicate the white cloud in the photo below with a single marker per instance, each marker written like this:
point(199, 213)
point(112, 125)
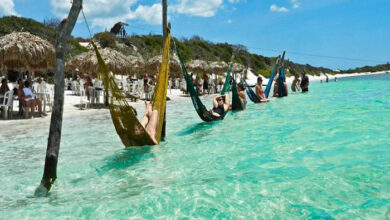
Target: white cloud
point(201, 8)
point(105, 13)
point(275, 8)
point(229, 21)
point(150, 14)
point(234, 1)
point(7, 8)
point(295, 4)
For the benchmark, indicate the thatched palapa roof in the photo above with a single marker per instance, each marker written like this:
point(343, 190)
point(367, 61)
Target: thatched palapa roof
point(115, 61)
point(154, 63)
point(238, 68)
point(198, 66)
point(22, 49)
point(219, 67)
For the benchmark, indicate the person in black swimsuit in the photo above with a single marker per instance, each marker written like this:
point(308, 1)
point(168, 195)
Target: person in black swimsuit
point(220, 105)
point(305, 83)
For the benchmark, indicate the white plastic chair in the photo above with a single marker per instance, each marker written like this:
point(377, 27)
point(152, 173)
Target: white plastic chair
point(8, 104)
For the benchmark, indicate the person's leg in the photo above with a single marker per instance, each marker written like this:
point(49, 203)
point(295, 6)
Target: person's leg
point(148, 111)
point(39, 103)
point(152, 125)
point(30, 104)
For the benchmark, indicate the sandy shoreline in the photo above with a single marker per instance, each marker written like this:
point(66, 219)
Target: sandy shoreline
point(71, 109)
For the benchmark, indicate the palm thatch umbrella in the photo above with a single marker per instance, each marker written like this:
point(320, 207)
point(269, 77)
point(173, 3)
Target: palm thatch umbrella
point(22, 49)
point(115, 61)
point(198, 66)
point(238, 68)
point(154, 63)
point(219, 67)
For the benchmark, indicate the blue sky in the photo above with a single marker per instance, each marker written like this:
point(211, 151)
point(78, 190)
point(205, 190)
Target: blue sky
point(355, 29)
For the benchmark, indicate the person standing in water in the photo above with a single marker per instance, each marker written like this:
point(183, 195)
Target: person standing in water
point(295, 84)
point(305, 83)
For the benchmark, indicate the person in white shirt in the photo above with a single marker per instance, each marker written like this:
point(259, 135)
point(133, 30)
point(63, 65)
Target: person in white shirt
point(27, 96)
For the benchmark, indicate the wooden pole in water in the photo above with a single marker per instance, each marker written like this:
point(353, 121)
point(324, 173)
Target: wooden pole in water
point(165, 34)
point(53, 145)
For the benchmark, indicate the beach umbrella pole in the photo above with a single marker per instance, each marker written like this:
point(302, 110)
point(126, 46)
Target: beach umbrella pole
point(53, 145)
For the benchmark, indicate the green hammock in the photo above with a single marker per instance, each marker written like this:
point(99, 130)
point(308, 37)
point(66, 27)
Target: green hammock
point(203, 113)
point(237, 104)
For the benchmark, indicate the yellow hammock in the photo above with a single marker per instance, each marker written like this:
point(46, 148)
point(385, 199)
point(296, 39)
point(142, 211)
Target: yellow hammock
point(129, 129)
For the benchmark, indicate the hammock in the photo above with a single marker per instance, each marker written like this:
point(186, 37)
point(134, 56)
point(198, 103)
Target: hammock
point(282, 80)
point(237, 104)
point(129, 129)
point(271, 79)
point(203, 113)
point(252, 95)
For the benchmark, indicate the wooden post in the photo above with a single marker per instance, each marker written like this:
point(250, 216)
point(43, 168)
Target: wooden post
point(165, 34)
point(165, 21)
point(53, 145)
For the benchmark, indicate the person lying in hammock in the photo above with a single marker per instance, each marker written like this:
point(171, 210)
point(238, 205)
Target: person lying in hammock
point(149, 121)
point(221, 105)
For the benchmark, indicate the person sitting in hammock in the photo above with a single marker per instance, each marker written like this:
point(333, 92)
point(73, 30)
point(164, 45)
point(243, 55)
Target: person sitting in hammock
point(149, 121)
point(241, 93)
point(221, 105)
point(259, 90)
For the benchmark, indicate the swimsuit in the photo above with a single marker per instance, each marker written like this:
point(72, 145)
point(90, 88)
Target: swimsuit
point(219, 110)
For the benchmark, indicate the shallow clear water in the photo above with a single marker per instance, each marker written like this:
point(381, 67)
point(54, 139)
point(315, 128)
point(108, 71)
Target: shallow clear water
point(321, 155)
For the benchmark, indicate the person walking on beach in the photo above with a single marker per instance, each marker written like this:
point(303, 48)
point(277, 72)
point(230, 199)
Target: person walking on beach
point(305, 83)
point(259, 90)
point(295, 84)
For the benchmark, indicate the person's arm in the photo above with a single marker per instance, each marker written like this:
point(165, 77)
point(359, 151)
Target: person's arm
point(227, 102)
point(215, 103)
point(257, 88)
point(285, 87)
point(242, 95)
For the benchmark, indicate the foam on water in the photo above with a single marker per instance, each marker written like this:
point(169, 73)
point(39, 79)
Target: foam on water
point(324, 155)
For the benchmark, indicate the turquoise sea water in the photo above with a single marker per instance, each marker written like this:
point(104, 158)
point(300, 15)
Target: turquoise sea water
point(321, 155)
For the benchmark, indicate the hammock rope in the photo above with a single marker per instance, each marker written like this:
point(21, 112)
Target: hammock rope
point(202, 111)
point(126, 124)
